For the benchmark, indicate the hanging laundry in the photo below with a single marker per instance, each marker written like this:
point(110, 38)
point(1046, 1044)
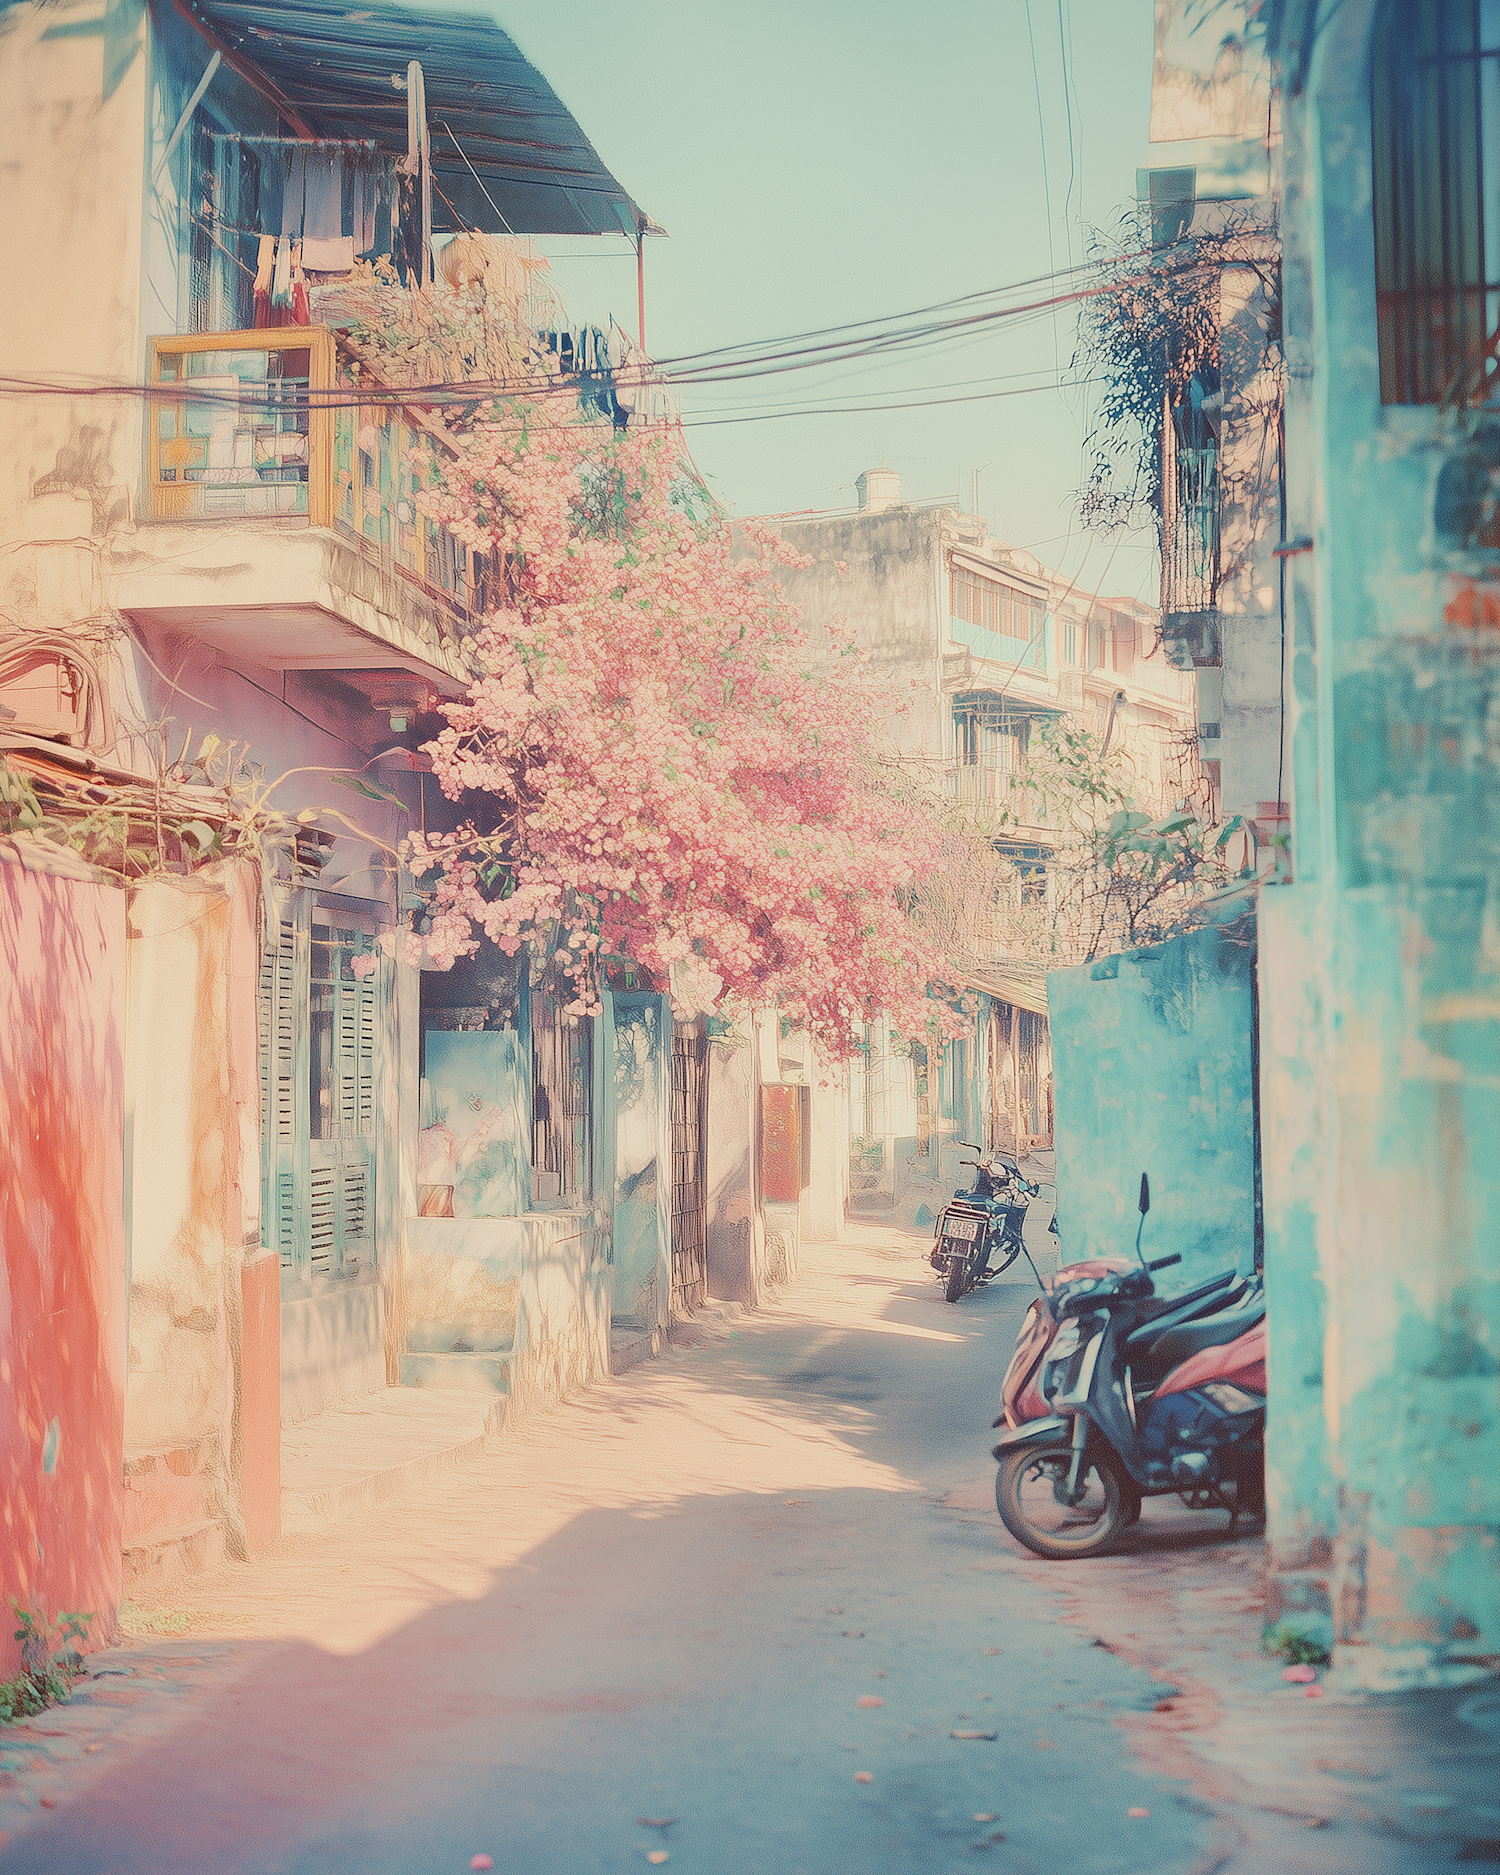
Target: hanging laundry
point(265, 269)
point(325, 254)
point(301, 307)
point(281, 279)
point(294, 196)
point(323, 201)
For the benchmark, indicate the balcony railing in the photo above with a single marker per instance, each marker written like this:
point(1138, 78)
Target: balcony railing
point(1191, 570)
point(272, 426)
point(994, 790)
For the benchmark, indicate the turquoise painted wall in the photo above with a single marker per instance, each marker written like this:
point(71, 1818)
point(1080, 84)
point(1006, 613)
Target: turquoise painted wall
point(478, 1087)
point(1152, 1072)
point(1381, 1081)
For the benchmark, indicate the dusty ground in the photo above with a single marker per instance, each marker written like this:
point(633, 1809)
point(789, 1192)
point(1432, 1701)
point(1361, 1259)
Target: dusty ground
point(666, 1600)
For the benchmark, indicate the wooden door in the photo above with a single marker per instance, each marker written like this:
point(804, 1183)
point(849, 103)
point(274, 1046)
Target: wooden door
point(689, 1167)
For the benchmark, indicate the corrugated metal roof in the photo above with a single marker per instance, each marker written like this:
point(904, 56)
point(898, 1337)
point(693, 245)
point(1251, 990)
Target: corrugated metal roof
point(336, 64)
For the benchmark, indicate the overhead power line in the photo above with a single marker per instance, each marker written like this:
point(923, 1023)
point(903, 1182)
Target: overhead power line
point(777, 358)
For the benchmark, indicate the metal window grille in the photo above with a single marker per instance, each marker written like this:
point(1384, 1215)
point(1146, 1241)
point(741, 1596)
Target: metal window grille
point(562, 1056)
point(1435, 111)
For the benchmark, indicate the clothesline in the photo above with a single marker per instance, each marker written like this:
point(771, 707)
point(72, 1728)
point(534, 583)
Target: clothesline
point(298, 143)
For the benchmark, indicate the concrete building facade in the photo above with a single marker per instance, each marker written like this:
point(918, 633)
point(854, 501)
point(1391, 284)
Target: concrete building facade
point(975, 647)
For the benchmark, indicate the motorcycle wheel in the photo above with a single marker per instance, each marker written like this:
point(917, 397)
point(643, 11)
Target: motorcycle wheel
point(958, 1276)
point(1010, 1249)
point(1029, 1508)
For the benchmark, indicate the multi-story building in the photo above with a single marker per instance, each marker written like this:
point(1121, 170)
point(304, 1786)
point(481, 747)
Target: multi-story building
point(1212, 225)
point(977, 647)
point(208, 528)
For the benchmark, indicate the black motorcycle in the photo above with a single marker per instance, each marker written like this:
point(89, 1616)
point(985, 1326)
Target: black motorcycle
point(979, 1232)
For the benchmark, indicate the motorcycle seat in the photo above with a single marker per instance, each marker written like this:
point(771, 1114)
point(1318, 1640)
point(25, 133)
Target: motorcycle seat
point(1173, 1347)
point(1209, 1295)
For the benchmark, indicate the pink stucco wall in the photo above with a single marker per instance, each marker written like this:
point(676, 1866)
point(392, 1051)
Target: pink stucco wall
point(62, 1247)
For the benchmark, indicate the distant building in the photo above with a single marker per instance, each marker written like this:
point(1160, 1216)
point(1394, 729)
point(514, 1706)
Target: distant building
point(979, 646)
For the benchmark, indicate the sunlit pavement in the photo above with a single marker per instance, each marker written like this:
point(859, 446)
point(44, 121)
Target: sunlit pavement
point(643, 1624)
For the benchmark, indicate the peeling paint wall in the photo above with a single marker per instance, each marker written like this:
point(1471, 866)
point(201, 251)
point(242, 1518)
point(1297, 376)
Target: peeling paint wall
point(62, 1247)
point(1152, 1071)
point(192, 1106)
point(1381, 1077)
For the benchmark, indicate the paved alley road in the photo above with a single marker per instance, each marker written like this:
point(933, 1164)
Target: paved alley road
point(667, 1600)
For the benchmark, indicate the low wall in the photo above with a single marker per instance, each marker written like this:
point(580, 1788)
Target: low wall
point(62, 1248)
point(518, 1306)
point(332, 1347)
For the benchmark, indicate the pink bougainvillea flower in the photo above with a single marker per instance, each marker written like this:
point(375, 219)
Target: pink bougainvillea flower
point(655, 762)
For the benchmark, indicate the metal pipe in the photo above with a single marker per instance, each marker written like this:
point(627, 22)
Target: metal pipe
point(182, 123)
point(419, 156)
point(640, 285)
point(1080, 1438)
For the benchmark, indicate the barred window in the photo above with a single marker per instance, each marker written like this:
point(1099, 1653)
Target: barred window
point(1435, 109)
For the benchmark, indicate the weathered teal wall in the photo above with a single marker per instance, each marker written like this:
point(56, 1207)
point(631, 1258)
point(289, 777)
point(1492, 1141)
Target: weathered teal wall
point(1381, 1093)
point(1152, 1072)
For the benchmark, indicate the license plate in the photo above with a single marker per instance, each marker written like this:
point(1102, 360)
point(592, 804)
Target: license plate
point(965, 1227)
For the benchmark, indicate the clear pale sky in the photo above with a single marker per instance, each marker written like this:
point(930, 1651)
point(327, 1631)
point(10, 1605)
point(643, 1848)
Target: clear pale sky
point(822, 161)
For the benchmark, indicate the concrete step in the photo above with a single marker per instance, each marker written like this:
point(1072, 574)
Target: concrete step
point(630, 1345)
point(378, 1446)
point(168, 1557)
point(487, 1373)
point(712, 1321)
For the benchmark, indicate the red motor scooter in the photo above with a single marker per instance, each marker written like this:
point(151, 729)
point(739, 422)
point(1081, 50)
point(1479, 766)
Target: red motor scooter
point(1115, 1394)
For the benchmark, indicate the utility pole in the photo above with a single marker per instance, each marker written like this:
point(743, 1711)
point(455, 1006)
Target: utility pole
point(419, 157)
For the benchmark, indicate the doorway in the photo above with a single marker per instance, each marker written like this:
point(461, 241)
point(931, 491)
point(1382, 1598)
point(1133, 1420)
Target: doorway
point(689, 1166)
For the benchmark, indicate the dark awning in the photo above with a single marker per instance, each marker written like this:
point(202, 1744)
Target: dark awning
point(335, 64)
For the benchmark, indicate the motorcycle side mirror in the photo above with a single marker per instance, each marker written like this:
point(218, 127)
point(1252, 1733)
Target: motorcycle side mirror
point(1145, 1194)
point(969, 1146)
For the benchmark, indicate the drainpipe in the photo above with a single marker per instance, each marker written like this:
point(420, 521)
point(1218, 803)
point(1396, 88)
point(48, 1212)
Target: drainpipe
point(1109, 722)
point(640, 284)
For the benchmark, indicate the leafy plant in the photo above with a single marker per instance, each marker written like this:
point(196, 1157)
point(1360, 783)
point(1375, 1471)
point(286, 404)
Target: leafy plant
point(197, 807)
point(1152, 328)
point(1299, 1650)
point(52, 1663)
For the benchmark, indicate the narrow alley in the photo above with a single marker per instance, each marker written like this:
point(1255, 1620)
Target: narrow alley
point(745, 1608)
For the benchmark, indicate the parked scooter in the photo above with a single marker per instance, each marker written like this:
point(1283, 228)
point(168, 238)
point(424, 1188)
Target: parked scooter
point(1115, 1394)
point(979, 1233)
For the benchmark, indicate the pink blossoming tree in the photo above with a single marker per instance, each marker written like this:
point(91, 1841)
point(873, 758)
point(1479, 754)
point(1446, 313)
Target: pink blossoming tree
point(652, 767)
